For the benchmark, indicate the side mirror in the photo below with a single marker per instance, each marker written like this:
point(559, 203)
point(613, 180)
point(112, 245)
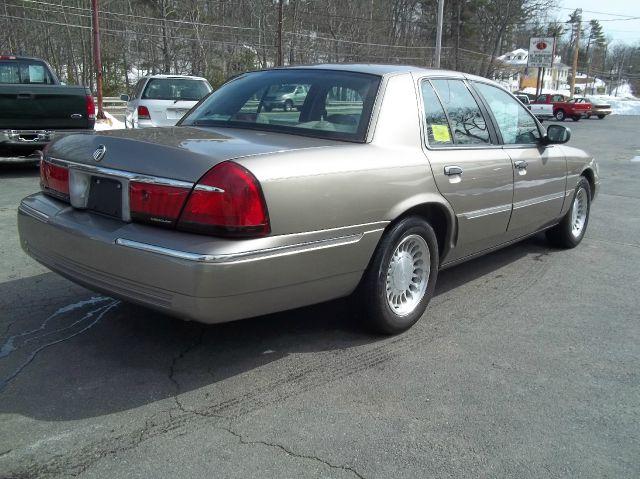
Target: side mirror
point(124, 97)
point(557, 134)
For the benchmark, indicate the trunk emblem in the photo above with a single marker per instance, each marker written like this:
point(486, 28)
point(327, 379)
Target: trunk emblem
point(99, 153)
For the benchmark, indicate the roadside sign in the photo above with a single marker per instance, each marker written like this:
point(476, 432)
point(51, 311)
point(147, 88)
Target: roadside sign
point(541, 50)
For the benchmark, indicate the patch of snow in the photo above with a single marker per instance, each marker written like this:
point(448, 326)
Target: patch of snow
point(110, 123)
point(624, 91)
point(545, 91)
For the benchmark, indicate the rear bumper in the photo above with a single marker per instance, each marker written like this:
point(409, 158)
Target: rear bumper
point(205, 279)
point(20, 145)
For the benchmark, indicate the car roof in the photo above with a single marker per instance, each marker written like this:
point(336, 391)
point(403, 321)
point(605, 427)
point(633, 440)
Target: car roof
point(188, 77)
point(387, 70)
point(9, 56)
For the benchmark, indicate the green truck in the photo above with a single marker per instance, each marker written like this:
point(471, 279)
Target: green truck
point(35, 108)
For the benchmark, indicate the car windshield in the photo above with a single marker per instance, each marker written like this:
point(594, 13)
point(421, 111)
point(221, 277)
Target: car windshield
point(175, 89)
point(334, 104)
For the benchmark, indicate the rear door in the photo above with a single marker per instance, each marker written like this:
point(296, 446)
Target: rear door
point(539, 170)
point(471, 171)
point(132, 104)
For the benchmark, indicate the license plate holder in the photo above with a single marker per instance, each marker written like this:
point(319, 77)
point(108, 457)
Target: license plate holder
point(175, 114)
point(105, 196)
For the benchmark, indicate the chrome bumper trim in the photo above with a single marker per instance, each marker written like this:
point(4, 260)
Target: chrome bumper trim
point(34, 213)
point(245, 255)
point(100, 170)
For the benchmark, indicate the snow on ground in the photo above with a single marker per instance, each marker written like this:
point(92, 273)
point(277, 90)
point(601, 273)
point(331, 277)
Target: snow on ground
point(110, 123)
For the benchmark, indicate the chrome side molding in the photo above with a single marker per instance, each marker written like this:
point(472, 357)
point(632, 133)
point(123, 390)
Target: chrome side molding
point(245, 255)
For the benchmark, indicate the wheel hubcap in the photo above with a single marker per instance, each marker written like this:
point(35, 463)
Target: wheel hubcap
point(579, 213)
point(408, 275)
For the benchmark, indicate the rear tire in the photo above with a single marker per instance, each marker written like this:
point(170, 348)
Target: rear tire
point(576, 118)
point(400, 280)
point(560, 115)
point(570, 231)
point(601, 117)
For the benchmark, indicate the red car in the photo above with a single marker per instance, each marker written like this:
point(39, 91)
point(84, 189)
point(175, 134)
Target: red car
point(565, 108)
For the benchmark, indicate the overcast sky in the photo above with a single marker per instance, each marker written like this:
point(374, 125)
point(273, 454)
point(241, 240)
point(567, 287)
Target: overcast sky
point(613, 15)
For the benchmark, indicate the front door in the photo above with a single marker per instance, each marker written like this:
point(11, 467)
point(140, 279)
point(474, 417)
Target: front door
point(473, 173)
point(539, 170)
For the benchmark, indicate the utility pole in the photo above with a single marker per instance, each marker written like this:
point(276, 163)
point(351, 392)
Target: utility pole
point(280, 61)
point(96, 56)
point(620, 68)
point(576, 47)
point(538, 86)
point(439, 33)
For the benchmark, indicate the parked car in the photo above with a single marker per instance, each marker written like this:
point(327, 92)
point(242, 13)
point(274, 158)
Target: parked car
point(598, 108)
point(35, 108)
point(161, 100)
point(233, 214)
point(564, 108)
point(286, 97)
point(541, 111)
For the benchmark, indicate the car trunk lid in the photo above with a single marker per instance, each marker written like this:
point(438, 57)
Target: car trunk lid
point(180, 153)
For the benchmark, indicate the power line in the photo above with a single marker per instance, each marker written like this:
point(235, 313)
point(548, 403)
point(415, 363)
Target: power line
point(598, 13)
point(312, 36)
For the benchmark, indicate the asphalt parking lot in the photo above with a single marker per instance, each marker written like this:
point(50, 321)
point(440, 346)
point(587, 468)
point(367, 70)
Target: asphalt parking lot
point(526, 364)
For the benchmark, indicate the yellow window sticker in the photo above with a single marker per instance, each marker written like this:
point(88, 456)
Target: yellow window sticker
point(441, 133)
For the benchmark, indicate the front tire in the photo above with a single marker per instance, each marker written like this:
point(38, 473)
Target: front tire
point(570, 231)
point(576, 118)
point(601, 117)
point(288, 105)
point(560, 115)
point(401, 277)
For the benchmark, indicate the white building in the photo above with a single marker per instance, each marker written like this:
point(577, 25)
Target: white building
point(512, 72)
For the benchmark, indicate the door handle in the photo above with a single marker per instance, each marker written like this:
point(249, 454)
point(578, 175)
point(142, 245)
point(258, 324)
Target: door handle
point(25, 96)
point(452, 170)
point(521, 164)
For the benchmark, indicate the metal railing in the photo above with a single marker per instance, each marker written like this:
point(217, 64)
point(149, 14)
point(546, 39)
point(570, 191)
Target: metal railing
point(112, 104)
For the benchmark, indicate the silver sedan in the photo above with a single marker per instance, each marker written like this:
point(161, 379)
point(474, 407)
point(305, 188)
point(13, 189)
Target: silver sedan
point(383, 176)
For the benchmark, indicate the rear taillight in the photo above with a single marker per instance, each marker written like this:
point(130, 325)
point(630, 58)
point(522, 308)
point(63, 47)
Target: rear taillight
point(143, 113)
point(157, 204)
point(91, 107)
point(54, 180)
point(226, 201)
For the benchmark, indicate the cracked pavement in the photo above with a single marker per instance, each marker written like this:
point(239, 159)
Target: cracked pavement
point(526, 365)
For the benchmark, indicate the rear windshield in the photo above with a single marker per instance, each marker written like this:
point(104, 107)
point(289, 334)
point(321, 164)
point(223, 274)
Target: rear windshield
point(175, 89)
point(331, 104)
point(25, 72)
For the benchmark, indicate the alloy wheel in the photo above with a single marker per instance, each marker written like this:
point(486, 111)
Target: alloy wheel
point(408, 275)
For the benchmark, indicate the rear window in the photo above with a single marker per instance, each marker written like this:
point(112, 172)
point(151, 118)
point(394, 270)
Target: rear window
point(175, 89)
point(332, 104)
point(25, 72)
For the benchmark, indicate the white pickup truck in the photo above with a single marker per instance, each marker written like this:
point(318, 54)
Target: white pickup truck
point(541, 111)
